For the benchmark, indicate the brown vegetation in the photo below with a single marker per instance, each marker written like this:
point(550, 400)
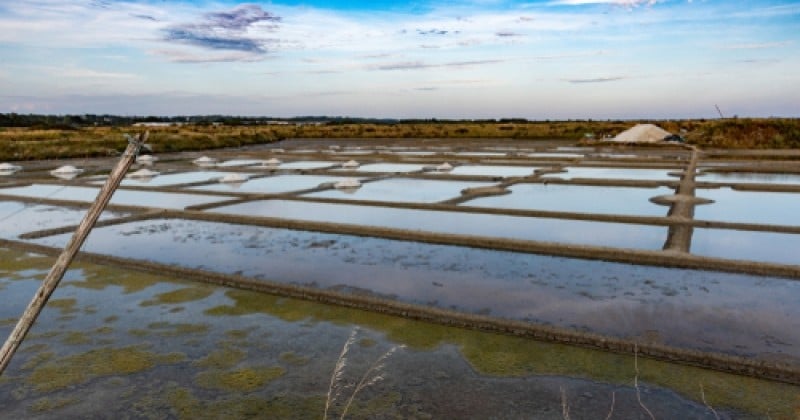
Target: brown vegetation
point(35, 143)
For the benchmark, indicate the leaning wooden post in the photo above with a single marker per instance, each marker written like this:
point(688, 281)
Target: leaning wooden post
point(57, 271)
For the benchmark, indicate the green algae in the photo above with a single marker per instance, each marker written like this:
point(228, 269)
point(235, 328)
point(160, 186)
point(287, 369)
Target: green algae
point(185, 405)
point(168, 329)
point(225, 358)
point(373, 406)
point(292, 358)
point(38, 359)
point(138, 332)
point(15, 261)
point(110, 319)
point(7, 322)
point(237, 334)
point(367, 342)
point(99, 277)
point(414, 334)
point(183, 295)
point(76, 338)
point(33, 348)
point(66, 306)
point(103, 330)
point(509, 356)
point(49, 404)
point(488, 354)
point(79, 368)
point(240, 380)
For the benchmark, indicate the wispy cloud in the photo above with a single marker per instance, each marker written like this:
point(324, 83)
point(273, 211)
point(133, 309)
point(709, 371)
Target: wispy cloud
point(184, 56)
point(597, 80)
point(93, 74)
point(240, 29)
point(757, 45)
point(144, 17)
point(508, 34)
point(416, 65)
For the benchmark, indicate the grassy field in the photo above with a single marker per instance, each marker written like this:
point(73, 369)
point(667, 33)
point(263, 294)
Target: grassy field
point(34, 143)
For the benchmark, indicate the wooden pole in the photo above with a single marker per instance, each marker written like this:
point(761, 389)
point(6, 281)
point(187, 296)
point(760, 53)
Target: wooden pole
point(62, 263)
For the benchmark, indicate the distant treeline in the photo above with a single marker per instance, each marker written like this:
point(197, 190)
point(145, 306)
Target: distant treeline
point(66, 122)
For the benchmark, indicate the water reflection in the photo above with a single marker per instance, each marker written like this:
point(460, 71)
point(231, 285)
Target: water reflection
point(493, 170)
point(404, 190)
point(747, 245)
point(155, 357)
point(391, 167)
point(697, 309)
point(18, 218)
point(276, 184)
point(307, 164)
point(496, 226)
point(748, 178)
point(616, 173)
point(121, 197)
point(774, 208)
point(575, 198)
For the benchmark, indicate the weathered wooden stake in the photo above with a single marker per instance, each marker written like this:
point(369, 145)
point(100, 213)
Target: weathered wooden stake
point(62, 263)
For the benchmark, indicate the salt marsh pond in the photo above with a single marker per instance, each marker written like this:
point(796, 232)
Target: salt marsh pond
point(607, 253)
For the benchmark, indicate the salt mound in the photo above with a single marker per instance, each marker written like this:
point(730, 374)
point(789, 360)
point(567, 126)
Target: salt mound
point(7, 167)
point(350, 164)
point(205, 161)
point(233, 178)
point(145, 159)
point(66, 169)
point(445, 167)
point(143, 173)
point(347, 183)
point(642, 133)
point(271, 162)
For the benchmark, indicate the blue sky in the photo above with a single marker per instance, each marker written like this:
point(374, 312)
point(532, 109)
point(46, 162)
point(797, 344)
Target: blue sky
point(551, 59)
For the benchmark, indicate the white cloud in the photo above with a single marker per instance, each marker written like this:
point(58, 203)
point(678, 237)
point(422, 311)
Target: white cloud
point(757, 45)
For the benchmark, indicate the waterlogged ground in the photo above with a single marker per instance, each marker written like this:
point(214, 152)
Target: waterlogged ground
point(116, 343)
point(719, 312)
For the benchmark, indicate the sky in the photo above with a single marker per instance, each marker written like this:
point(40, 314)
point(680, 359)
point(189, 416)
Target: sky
point(460, 59)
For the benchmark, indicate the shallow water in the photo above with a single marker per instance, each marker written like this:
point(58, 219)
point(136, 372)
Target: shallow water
point(487, 154)
point(130, 344)
point(121, 197)
point(17, 218)
point(775, 247)
point(165, 180)
point(306, 164)
point(730, 205)
point(239, 162)
point(720, 312)
point(403, 190)
point(578, 198)
point(413, 153)
point(495, 226)
point(554, 155)
point(616, 173)
point(390, 167)
point(492, 170)
point(748, 178)
point(274, 184)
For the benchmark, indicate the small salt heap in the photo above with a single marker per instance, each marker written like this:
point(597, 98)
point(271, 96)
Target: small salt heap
point(66, 172)
point(351, 164)
point(348, 185)
point(205, 161)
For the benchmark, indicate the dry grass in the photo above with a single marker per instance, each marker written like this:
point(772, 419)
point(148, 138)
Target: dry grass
point(34, 143)
point(339, 384)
